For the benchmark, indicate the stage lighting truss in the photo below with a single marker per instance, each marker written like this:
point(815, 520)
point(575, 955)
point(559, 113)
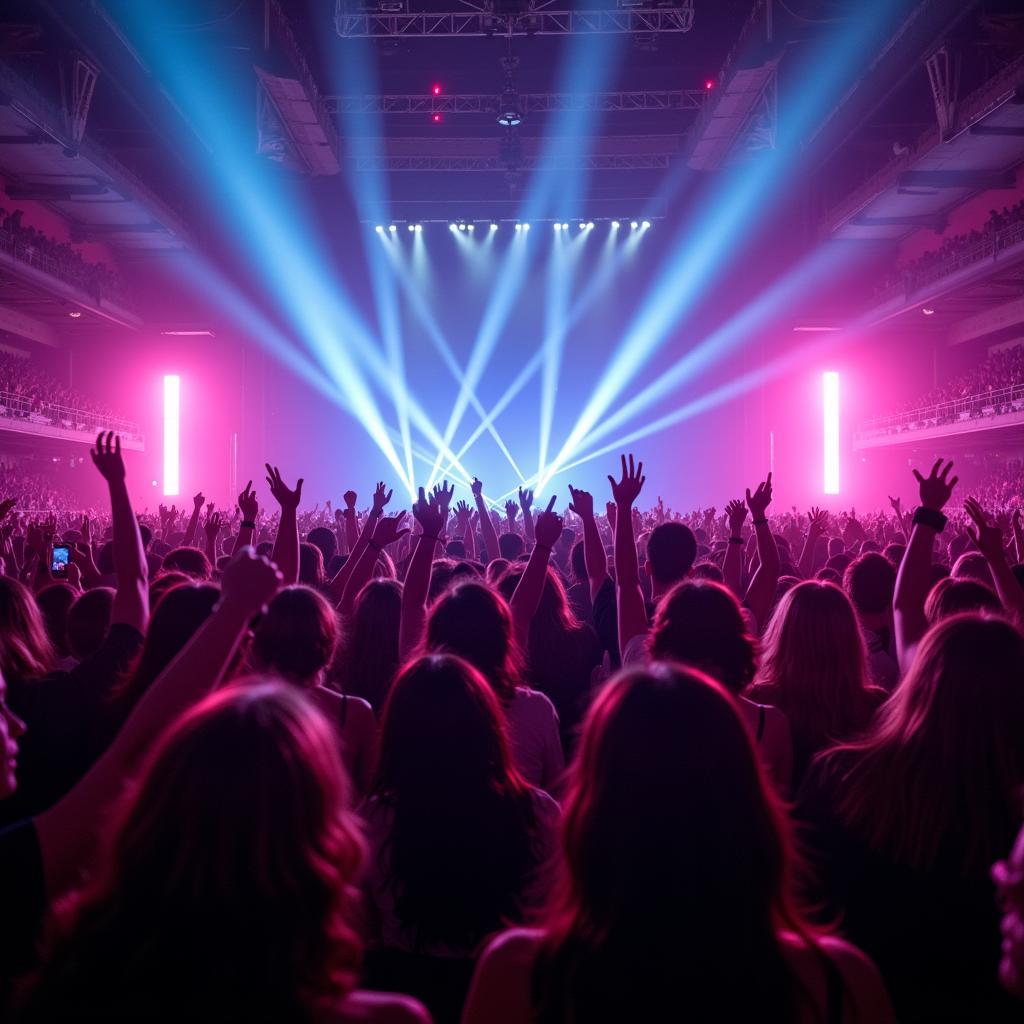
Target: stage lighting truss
point(467, 226)
point(353, 19)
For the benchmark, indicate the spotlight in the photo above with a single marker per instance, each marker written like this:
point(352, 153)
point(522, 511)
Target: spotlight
point(634, 225)
point(380, 229)
point(526, 227)
point(590, 225)
point(519, 227)
point(419, 227)
point(470, 227)
point(928, 311)
point(436, 118)
point(75, 314)
point(646, 224)
point(558, 227)
point(615, 223)
point(392, 228)
point(462, 227)
point(565, 227)
point(437, 90)
point(494, 227)
point(709, 84)
point(583, 226)
point(412, 227)
point(510, 112)
point(452, 227)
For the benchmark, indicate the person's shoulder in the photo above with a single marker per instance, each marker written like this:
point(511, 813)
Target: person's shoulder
point(516, 947)
point(533, 699)
point(360, 710)
point(381, 1008)
point(636, 652)
point(547, 807)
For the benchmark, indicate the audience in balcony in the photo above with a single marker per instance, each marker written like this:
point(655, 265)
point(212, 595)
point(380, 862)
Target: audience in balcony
point(908, 276)
point(28, 392)
point(58, 258)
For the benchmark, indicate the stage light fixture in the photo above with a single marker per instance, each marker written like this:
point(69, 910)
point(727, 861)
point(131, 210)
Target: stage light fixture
point(526, 227)
point(419, 227)
point(565, 227)
point(379, 229)
point(453, 227)
point(75, 314)
point(634, 225)
point(437, 119)
point(928, 311)
point(590, 225)
point(709, 84)
point(437, 90)
point(519, 227)
point(494, 227)
point(462, 227)
point(412, 227)
point(558, 227)
point(646, 224)
point(392, 228)
point(615, 224)
point(470, 227)
point(583, 225)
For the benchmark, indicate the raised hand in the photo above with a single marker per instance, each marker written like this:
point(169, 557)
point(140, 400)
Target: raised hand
point(248, 505)
point(736, 514)
point(6, 506)
point(212, 526)
point(387, 530)
point(759, 501)
point(199, 500)
point(817, 520)
point(936, 488)
point(86, 530)
point(349, 497)
point(209, 509)
point(610, 512)
point(443, 493)
point(284, 496)
point(463, 514)
point(627, 490)
point(477, 488)
point(249, 582)
point(897, 506)
point(986, 535)
point(511, 511)
point(525, 499)
point(548, 527)
point(429, 514)
point(106, 457)
point(381, 496)
point(581, 502)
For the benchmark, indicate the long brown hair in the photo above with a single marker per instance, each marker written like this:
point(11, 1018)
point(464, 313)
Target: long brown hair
point(25, 649)
point(677, 866)
point(227, 888)
point(814, 668)
point(368, 657)
point(942, 767)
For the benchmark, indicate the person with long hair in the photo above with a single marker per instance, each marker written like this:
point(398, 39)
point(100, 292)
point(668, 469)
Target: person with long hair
point(676, 892)
point(561, 652)
point(458, 838)
point(814, 669)
point(906, 820)
point(26, 651)
point(368, 656)
point(296, 641)
point(700, 623)
point(228, 887)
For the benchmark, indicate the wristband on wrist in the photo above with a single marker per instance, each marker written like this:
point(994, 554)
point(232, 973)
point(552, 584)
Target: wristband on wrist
point(248, 524)
point(736, 540)
point(759, 522)
point(930, 517)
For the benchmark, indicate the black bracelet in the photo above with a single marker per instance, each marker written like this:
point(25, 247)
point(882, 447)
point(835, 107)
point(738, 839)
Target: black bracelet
point(759, 522)
point(930, 517)
point(736, 540)
point(248, 524)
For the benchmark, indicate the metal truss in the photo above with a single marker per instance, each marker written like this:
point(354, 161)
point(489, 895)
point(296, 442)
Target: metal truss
point(482, 162)
point(533, 103)
point(538, 20)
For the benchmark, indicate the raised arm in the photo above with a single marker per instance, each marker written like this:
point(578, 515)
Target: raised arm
point(387, 531)
point(631, 610)
point(464, 518)
point(431, 518)
point(487, 530)
point(761, 591)
point(68, 830)
point(192, 530)
point(511, 513)
point(989, 539)
point(530, 587)
point(732, 567)
point(817, 524)
point(250, 509)
point(913, 580)
point(212, 531)
point(1018, 536)
point(381, 497)
point(131, 601)
point(286, 544)
point(526, 504)
point(351, 521)
point(593, 547)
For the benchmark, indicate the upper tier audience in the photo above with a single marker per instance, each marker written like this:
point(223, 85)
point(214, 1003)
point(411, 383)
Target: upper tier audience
point(274, 767)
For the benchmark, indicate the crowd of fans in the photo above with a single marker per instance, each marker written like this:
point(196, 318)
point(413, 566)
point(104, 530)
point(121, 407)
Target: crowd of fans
point(511, 765)
point(955, 249)
point(993, 387)
point(27, 392)
point(58, 258)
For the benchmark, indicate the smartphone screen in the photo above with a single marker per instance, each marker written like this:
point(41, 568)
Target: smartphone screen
point(59, 560)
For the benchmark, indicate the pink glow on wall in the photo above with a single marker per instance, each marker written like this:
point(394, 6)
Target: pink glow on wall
point(172, 433)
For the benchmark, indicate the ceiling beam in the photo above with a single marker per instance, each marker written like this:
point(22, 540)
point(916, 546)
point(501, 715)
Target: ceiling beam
point(966, 179)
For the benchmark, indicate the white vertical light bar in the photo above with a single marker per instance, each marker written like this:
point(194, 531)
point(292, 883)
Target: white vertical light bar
point(172, 423)
point(830, 395)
